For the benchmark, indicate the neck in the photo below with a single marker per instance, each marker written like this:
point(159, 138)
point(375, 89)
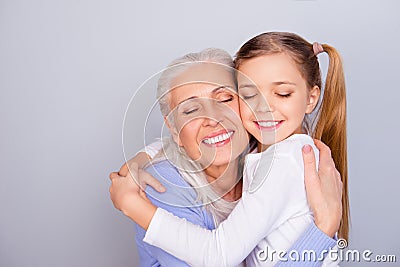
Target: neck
point(226, 180)
point(261, 147)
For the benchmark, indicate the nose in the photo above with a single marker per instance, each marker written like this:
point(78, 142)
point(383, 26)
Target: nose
point(264, 106)
point(212, 116)
point(210, 122)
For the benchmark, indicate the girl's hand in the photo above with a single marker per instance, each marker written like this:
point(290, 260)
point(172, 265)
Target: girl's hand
point(324, 188)
point(127, 197)
point(143, 178)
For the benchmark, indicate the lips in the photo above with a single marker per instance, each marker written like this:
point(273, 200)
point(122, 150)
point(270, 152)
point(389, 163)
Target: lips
point(218, 138)
point(268, 125)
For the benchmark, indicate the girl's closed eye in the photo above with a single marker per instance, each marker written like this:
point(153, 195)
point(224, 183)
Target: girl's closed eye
point(247, 97)
point(284, 94)
point(248, 92)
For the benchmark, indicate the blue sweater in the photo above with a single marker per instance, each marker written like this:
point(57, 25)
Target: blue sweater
point(180, 199)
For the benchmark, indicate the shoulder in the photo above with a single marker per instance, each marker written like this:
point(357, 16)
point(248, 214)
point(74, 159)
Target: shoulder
point(163, 169)
point(293, 144)
point(178, 192)
point(289, 148)
point(281, 159)
point(179, 198)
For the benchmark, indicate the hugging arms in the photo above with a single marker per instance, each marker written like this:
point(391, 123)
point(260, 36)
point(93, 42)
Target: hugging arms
point(221, 133)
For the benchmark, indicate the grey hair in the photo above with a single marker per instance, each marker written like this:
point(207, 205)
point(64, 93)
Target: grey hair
point(191, 170)
point(179, 65)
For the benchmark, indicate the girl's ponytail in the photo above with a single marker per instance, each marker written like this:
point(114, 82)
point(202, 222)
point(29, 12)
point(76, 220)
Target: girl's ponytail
point(331, 126)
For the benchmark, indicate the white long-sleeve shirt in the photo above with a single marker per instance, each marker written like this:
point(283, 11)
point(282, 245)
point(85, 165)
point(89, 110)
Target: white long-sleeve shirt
point(271, 215)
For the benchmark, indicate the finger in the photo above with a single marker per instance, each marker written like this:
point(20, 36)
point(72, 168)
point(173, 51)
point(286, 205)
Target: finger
point(322, 147)
point(123, 171)
point(310, 170)
point(132, 171)
point(146, 178)
point(338, 176)
point(133, 168)
point(143, 194)
point(325, 155)
point(311, 179)
point(132, 175)
point(113, 175)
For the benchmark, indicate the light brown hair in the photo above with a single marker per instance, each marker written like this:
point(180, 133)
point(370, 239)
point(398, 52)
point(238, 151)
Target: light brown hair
point(329, 124)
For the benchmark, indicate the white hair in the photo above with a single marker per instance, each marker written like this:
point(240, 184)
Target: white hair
point(179, 65)
point(191, 170)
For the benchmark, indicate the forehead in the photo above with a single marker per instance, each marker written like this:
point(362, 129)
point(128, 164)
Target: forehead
point(267, 69)
point(205, 72)
point(201, 80)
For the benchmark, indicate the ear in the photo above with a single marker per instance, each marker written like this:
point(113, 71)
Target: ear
point(313, 97)
point(173, 131)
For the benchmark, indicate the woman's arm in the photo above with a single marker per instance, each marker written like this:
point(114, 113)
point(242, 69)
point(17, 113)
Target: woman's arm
point(124, 191)
point(324, 188)
point(313, 240)
point(324, 195)
point(179, 199)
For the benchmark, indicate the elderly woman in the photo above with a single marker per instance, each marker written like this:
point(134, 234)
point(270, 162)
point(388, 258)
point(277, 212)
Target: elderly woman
point(200, 165)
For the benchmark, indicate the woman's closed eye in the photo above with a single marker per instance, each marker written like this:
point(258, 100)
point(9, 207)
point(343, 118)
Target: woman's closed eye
point(190, 110)
point(226, 99)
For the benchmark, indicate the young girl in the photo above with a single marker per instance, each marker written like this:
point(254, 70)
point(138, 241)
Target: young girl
point(280, 93)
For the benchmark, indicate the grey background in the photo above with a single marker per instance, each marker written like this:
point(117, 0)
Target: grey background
point(69, 68)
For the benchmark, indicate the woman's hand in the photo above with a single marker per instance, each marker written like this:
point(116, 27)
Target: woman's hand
point(123, 189)
point(324, 188)
point(143, 178)
point(127, 197)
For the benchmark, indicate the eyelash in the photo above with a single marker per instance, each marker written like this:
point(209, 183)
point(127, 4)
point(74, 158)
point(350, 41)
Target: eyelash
point(227, 100)
point(190, 111)
point(246, 97)
point(195, 109)
point(285, 95)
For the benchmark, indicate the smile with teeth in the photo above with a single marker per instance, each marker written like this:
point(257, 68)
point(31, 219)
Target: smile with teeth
point(217, 139)
point(268, 125)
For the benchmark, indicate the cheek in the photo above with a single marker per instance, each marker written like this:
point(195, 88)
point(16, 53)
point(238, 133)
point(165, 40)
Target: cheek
point(245, 111)
point(296, 109)
point(234, 107)
point(188, 132)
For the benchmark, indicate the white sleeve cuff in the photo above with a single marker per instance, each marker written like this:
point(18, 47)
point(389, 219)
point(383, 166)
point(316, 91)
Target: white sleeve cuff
point(152, 149)
point(152, 233)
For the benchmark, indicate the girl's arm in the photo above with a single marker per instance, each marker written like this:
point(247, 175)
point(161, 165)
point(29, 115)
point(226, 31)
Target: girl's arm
point(178, 196)
point(278, 198)
point(323, 192)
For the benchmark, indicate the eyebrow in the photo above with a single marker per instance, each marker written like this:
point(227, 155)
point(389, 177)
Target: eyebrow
point(215, 90)
point(283, 82)
point(192, 97)
point(248, 85)
point(274, 83)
